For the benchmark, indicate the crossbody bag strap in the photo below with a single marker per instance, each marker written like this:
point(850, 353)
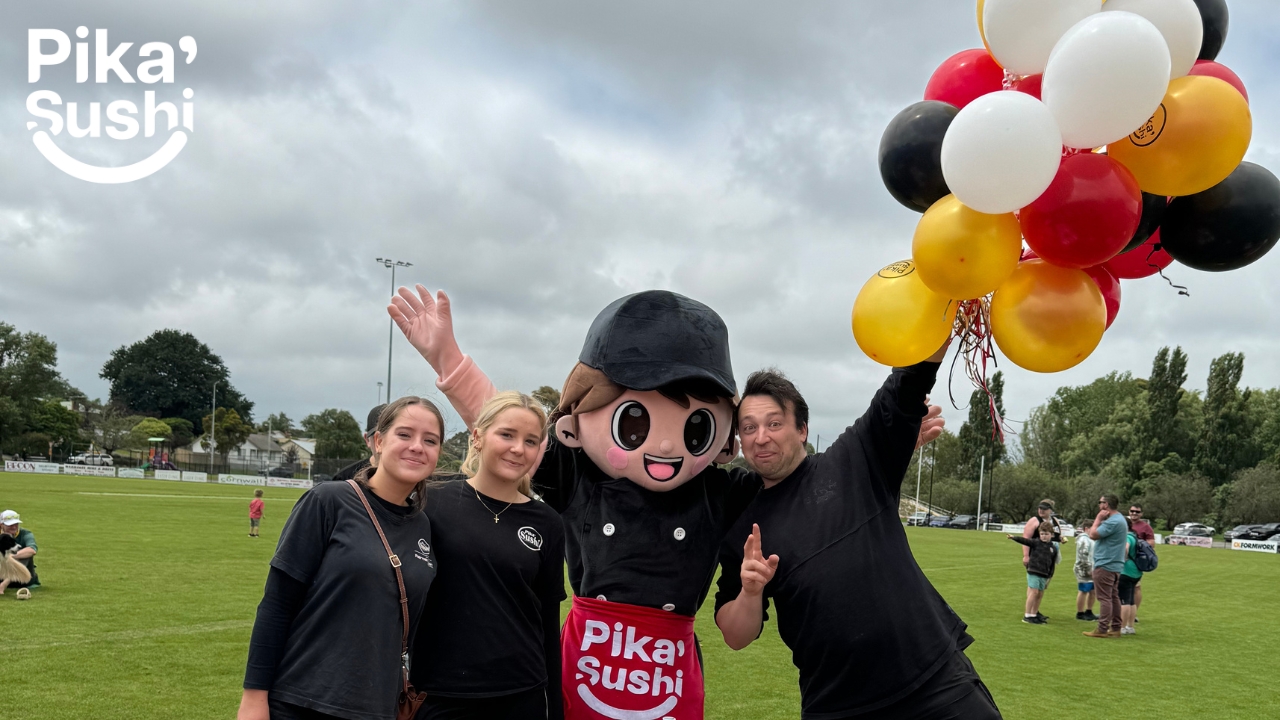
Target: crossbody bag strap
point(395, 565)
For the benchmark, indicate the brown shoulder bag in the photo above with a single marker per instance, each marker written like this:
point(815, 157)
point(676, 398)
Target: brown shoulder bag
point(410, 700)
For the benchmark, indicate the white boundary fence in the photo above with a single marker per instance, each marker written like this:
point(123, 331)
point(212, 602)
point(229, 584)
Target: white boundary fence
point(22, 466)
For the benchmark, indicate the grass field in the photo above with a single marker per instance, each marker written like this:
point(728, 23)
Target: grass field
point(150, 589)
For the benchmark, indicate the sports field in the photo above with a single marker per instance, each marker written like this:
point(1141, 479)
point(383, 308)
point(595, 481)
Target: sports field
point(150, 589)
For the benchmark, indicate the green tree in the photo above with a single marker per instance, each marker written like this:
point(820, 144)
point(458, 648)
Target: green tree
point(1178, 498)
point(28, 377)
point(1254, 496)
point(278, 422)
point(229, 431)
point(1017, 488)
point(140, 435)
point(978, 436)
point(1156, 432)
point(1223, 443)
point(337, 434)
point(52, 423)
point(182, 432)
point(548, 397)
point(113, 426)
point(1073, 411)
point(172, 374)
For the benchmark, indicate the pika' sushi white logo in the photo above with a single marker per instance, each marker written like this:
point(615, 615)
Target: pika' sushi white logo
point(122, 121)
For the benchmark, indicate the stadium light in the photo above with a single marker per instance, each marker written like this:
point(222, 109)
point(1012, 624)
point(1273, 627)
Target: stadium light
point(393, 264)
point(213, 423)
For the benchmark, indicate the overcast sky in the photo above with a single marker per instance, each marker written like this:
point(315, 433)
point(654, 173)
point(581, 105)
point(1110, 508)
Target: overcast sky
point(536, 160)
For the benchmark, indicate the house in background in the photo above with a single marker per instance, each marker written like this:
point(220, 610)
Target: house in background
point(305, 449)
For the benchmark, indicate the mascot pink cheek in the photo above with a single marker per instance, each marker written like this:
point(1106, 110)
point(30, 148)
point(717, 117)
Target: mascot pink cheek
point(700, 464)
point(617, 457)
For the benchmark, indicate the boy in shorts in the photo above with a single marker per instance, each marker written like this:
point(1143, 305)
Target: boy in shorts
point(1086, 595)
point(1040, 567)
point(255, 513)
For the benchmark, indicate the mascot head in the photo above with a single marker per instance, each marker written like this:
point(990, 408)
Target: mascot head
point(652, 396)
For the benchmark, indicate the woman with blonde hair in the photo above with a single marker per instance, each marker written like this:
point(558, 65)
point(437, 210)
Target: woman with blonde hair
point(348, 583)
point(490, 642)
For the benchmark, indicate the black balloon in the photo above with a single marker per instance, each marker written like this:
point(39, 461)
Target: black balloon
point(1213, 13)
point(1227, 226)
point(911, 154)
point(1153, 207)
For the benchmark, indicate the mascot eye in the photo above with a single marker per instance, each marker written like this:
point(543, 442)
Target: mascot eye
point(630, 425)
point(699, 431)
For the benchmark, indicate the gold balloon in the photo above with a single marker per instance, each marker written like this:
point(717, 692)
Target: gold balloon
point(962, 253)
point(1198, 135)
point(1046, 318)
point(982, 30)
point(898, 321)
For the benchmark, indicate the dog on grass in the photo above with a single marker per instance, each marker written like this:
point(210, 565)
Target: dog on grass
point(11, 568)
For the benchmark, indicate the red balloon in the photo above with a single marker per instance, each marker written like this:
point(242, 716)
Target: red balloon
point(1089, 213)
point(964, 77)
point(1209, 68)
point(1110, 288)
point(1141, 261)
point(1029, 84)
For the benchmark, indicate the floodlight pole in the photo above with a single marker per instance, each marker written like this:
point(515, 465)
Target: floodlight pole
point(213, 424)
point(379, 401)
point(982, 465)
point(391, 330)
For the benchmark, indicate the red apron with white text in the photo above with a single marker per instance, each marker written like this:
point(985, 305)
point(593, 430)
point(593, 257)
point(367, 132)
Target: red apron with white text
point(625, 662)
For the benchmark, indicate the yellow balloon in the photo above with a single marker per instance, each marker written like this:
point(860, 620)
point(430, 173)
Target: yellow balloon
point(1198, 135)
point(962, 253)
point(1046, 318)
point(982, 30)
point(898, 321)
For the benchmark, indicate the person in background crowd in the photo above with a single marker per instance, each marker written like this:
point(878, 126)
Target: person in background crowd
point(871, 636)
point(489, 644)
point(1143, 530)
point(1085, 595)
point(1108, 562)
point(327, 641)
point(1044, 514)
point(11, 525)
point(1129, 578)
point(1039, 569)
point(371, 424)
point(255, 513)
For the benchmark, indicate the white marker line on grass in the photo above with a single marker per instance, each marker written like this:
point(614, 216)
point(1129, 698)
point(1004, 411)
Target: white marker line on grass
point(127, 635)
point(964, 567)
point(181, 497)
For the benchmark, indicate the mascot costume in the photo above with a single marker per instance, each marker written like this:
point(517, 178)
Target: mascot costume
point(628, 465)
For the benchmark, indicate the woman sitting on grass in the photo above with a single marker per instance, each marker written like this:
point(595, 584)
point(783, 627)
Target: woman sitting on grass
point(327, 642)
point(489, 646)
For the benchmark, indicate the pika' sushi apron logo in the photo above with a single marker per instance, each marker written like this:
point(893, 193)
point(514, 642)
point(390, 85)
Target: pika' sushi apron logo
point(157, 66)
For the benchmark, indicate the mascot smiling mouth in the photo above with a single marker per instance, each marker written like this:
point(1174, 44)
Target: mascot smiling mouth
point(662, 469)
point(610, 711)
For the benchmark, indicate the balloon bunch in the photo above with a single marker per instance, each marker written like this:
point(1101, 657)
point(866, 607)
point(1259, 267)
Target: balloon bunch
point(1104, 136)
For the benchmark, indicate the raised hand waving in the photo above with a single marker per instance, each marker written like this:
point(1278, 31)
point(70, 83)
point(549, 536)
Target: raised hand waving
point(427, 323)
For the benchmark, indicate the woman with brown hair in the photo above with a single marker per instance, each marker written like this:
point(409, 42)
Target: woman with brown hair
point(327, 642)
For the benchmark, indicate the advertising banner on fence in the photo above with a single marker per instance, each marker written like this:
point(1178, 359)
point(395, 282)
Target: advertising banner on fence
point(168, 475)
point(302, 483)
point(94, 470)
point(30, 467)
point(228, 479)
point(1190, 541)
point(194, 477)
point(130, 473)
point(1266, 546)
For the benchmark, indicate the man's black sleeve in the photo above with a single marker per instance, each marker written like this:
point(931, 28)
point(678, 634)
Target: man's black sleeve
point(550, 588)
point(556, 476)
point(281, 602)
point(1022, 541)
point(890, 427)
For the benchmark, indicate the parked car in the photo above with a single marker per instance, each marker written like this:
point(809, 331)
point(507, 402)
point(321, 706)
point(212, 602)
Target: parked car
point(990, 519)
point(320, 477)
point(1263, 532)
point(963, 522)
point(917, 518)
point(1193, 530)
point(1066, 529)
point(280, 471)
point(102, 459)
point(939, 520)
point(1238, 531)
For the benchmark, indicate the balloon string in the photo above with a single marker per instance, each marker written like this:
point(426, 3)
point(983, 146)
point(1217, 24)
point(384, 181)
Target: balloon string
point(1009, 79)
point(1182, 289)
point(973, 330)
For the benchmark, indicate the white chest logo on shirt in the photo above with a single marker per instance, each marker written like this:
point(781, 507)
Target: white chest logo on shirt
point(530, 538)
point(424, 552)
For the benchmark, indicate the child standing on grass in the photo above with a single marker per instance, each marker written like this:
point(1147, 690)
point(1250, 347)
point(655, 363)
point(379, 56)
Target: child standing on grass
point(255, 513)
point(1086, 595)
point(1039, 569)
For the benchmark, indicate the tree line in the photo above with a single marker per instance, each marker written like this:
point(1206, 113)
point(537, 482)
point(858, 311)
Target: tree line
point(1186, 456)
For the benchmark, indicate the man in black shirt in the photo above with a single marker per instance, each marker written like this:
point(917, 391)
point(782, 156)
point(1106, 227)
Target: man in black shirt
point(870, 635)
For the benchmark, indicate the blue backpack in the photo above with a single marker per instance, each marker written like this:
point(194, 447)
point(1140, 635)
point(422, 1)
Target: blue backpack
point(1144, 556)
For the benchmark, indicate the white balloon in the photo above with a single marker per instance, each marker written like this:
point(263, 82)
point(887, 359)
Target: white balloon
point(1001, 152)
point(1177, 20)
point(1105, 78)
point(1021, 33)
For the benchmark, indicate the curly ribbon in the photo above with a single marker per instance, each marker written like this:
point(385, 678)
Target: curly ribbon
point(973, 332)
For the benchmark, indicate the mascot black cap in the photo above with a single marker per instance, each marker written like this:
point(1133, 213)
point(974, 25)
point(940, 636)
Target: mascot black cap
point(653, 338)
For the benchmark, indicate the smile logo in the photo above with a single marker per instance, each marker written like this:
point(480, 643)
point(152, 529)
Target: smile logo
point(122, 121)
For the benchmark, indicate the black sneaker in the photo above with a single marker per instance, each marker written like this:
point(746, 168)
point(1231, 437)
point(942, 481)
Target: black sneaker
point(1081, 616)
point(1033, 620)
point(1041, 618)
point(1088, 615)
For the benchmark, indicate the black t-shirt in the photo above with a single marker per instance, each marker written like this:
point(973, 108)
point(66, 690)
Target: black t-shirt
point(493, 613)
point(864, 624)
point(343, 653)
point(349, 472)
point(626, 544)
